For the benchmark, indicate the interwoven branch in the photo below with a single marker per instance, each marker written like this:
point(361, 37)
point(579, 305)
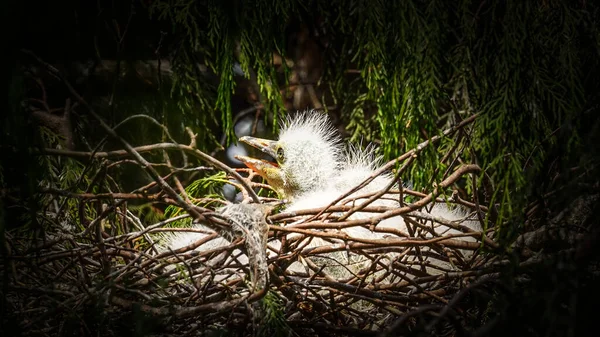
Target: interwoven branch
point(107, 255)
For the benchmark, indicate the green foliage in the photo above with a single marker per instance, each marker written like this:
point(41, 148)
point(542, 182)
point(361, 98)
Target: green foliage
point(528, 89)
point(273, 318)
point(525, 67)
point(206, 189)
point(147, 213)
point(215, 34)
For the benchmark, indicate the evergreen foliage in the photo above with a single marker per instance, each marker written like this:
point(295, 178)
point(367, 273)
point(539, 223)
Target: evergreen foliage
point(528, 68)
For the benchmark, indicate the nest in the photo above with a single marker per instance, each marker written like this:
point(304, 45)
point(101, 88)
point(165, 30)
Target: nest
point(69, 279)
point(100, 272)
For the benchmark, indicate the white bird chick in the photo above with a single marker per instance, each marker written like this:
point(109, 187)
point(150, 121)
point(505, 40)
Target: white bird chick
point(307, 155)
point(247, 221)
point(312, 170)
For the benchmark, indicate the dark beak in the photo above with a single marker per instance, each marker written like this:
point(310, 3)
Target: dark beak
point(267, 146)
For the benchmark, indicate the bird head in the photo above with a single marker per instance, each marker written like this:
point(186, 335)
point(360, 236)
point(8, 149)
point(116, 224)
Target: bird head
point(306, 155)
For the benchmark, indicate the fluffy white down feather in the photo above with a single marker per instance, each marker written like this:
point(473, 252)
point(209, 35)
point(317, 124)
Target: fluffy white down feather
point(360, 165)
point(323, 171)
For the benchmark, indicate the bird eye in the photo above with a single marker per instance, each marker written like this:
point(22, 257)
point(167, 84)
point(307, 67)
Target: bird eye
point(280, 154)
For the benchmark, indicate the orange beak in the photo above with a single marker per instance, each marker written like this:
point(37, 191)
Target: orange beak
point(266, 146)
point(259, 166)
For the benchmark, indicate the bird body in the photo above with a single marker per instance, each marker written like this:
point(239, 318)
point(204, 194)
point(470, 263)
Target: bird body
point(312, 169)
point(247, 221)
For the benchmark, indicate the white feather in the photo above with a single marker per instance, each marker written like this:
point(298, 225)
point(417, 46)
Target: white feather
point(321, 171)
